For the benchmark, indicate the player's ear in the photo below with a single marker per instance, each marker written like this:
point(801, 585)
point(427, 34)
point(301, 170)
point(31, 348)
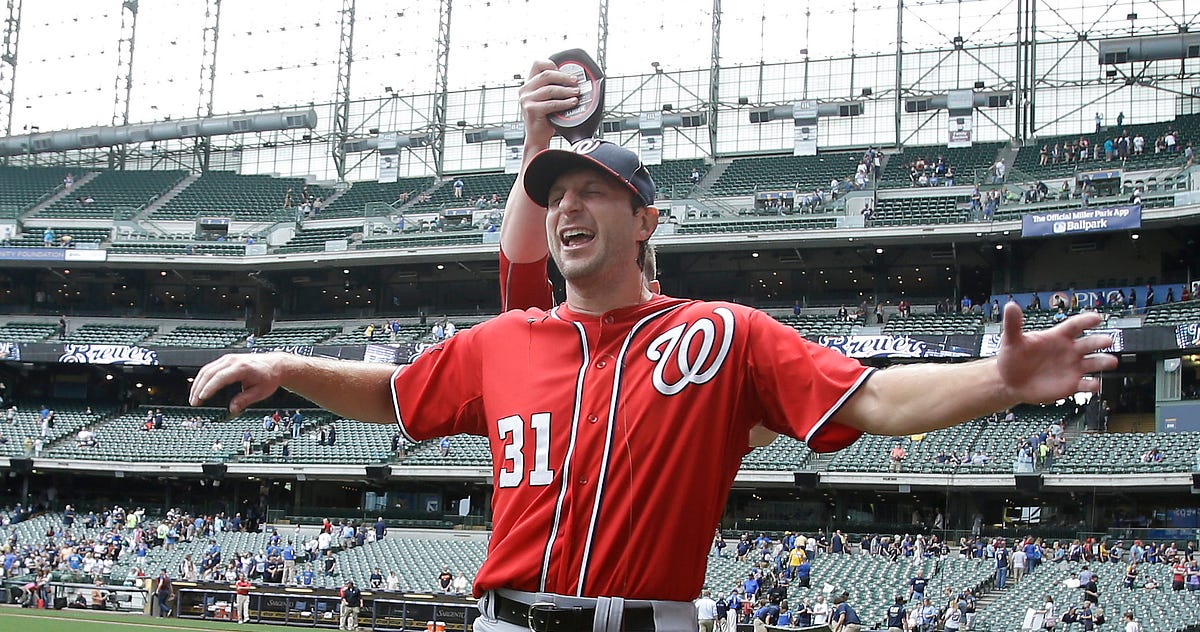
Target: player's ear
point(655, 286)
point(647, 217)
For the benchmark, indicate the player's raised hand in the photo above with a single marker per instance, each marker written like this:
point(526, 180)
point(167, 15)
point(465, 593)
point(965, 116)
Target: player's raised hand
point(1045, 366)
point(259, 374)
point(547, 90)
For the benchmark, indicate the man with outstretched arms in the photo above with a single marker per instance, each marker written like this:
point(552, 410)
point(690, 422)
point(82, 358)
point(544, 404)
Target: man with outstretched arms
point(592, 408)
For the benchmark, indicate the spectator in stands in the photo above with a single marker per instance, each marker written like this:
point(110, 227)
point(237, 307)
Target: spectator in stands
point(445, 580)
point(896, 456)
point(998, 171)
point(444, 446)
point(462, 585)
point(458, 188)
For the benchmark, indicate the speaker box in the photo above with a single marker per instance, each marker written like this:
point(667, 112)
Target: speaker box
point(1029, 482)
point(379, 473)
point(214, 470)
point(60, 603)
point(1196, 480)
point(21, 466)
point(807, 479)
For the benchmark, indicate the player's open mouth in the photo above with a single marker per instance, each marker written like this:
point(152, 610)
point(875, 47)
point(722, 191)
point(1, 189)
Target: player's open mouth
point(573, 237)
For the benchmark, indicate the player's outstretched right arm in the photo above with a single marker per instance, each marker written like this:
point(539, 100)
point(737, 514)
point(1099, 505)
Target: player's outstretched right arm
point(354, 390)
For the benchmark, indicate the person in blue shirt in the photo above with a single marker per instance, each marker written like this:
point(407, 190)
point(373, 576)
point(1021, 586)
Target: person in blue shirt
point(289, 562)
point(844, 618)
point(750, 586)
point(306, 577)
point(380, 528)
point(896, 615)
point(767, 614)
point(916, 586)
point(784, 620)
point(804, 573)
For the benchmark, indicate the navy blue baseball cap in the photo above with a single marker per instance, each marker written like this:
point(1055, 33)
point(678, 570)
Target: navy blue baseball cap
point(591, 153)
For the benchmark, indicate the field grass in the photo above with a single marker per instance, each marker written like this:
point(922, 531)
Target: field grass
point(25, 620)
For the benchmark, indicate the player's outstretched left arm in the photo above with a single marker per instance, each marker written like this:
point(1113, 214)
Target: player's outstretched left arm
point(1031, 367)
point(354, 390)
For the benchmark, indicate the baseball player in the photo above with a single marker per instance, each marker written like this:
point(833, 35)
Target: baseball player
point(594, 409)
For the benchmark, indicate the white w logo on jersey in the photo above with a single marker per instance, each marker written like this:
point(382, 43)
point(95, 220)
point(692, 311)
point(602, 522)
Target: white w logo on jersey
point(678, 342)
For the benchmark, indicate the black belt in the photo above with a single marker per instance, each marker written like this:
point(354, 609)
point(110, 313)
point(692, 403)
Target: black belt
point(552, 618)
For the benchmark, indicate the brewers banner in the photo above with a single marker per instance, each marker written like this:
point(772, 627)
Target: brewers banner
point(1084, 220)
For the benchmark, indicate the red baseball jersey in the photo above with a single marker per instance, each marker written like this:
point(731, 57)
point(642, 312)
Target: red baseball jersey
point(610, 433)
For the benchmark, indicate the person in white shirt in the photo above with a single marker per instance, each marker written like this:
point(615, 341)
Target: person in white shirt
point(393, 582)
point(461, 585)
point(706, 611)
point(820, 611)
point(1018, 563)
point(1130, 624)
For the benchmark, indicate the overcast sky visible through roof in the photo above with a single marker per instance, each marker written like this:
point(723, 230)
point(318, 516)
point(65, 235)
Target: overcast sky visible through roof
point(273, 52)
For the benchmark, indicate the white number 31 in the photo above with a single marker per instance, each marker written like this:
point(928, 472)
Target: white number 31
point(511, 430)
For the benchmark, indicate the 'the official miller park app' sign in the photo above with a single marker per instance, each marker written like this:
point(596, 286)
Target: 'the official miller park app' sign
point(1084, 220)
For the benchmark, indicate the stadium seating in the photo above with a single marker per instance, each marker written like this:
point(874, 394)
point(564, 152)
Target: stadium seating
point(68, 420)
point(1029, 156)
point(784, 453)
point(1160, 609)
point(23, 187)
point(996, 440)
point(258, 198)
point(417, 561)
point(922, 210)
point(353, 202)
point(33, 237)
point(25, 332)
point(359, 443)
point(430, 239)
point(1173, 313)
point(934, 324)
point(313, 239)
point(91, 333)
point(674, 177)
point(1121, 453)
point(465, 451)
point(873, 581)
point(757, 225)
point(358, 335)
point(474, 186)
point(745, 176)
point(117, 195)
point(966, 161)
point(309, 335)
point(210, 248)
point(122, 439)
point(200, 337)
point(814, 326)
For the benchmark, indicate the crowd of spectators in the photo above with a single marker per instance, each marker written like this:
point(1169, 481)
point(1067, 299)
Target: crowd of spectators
point(923, 172)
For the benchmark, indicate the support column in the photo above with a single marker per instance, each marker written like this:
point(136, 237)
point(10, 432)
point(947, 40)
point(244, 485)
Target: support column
point(899, 105)
point(714, 79)
point(441, 87)
point(123, 84)
point(8, 64)
point(602, 38)
point(341, 117)
point(208, 59)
